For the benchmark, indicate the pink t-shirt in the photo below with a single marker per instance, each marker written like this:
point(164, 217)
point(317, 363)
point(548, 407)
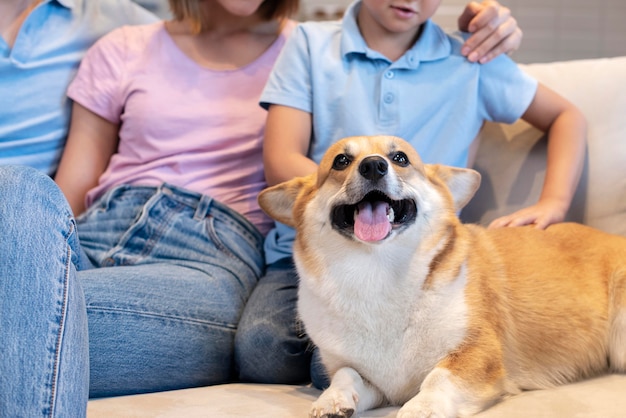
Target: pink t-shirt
point(180, 123)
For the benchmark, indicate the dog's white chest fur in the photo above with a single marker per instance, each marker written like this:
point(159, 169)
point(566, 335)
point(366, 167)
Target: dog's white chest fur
point(375, 317)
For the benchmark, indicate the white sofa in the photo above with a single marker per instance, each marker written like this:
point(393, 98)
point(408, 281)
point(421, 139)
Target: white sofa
point(512, 161)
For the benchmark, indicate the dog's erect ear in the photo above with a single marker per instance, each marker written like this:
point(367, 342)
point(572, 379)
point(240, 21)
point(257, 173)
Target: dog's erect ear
point(278, 201)
point(462, 182)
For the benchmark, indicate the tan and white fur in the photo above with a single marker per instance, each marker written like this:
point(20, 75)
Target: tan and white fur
point(441, 317)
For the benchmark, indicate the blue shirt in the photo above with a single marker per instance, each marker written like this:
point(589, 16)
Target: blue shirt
point(432, 96)
point(35, 73)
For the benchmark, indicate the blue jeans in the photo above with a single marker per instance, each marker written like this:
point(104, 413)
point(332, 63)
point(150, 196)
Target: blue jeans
point(271, 345)
point(160, 278)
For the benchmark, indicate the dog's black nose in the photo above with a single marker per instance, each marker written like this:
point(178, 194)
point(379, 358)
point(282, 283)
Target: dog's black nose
point(373, 168)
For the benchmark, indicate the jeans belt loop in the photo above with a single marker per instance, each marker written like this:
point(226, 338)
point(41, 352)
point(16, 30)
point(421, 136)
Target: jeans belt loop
point(204, 205)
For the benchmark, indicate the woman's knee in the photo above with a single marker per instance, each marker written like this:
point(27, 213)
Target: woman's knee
point(28, 194)
point(21, 180)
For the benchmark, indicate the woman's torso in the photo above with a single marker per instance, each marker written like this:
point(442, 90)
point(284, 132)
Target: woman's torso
point(185, 124)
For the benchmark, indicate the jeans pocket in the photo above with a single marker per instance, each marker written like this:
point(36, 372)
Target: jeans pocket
point(236, 243)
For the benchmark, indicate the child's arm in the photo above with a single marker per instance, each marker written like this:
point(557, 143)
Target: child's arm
point(494, 31)
point(91, 142)
point(287, 139)
point(567, 129)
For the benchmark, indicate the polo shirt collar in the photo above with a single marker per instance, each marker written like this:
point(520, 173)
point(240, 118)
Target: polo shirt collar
point(432, 45)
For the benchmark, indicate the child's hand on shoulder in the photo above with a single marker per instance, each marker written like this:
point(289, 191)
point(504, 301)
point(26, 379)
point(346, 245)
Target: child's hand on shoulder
point(494, 31)
point(543, 214)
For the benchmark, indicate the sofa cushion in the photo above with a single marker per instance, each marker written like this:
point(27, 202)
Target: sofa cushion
point(599, 397)
point(511, 158)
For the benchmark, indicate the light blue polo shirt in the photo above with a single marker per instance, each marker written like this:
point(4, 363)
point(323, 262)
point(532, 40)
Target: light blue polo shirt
point(35, 73)
point(432, 96)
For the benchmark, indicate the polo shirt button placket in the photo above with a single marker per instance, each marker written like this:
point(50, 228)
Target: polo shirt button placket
point(388, 97)
point(388, 110)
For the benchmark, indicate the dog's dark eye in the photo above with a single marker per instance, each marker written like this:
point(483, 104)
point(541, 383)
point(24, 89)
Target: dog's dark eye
point(341, 162)
point(400, 158)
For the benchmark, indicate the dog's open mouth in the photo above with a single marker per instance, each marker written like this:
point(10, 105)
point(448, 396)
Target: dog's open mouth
point(374, 217)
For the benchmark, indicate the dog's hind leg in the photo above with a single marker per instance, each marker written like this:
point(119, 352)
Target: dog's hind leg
point(347, 393)
point(617, 333)
point(442, 396)
point(466, 381)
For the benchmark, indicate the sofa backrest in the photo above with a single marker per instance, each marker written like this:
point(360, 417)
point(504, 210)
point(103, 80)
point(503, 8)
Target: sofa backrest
point(512, 158)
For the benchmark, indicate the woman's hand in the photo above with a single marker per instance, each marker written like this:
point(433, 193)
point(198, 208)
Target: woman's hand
point(494, 31)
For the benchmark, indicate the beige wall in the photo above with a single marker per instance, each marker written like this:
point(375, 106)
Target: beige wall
point(562, 29)
point(553, 29)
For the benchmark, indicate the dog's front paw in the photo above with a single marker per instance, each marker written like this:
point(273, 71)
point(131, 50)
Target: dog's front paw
point(334, 404)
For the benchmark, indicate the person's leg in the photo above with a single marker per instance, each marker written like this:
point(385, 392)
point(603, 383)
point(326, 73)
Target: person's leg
point(271, 346)
point(44, 367)
point(159, 327)
point(163, 314)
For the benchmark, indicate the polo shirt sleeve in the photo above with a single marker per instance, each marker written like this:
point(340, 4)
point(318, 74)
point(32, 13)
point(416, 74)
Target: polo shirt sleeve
point(289, 83)
point(98, 84)
point(505, 90)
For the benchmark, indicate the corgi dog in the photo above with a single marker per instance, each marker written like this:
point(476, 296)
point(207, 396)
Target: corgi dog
point(410, 307)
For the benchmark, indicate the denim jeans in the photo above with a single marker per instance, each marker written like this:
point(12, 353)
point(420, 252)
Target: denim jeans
point(271, 345)
point(160, 279)
point(43, 323)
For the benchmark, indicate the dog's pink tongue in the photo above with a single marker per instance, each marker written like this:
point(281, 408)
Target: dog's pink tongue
point(371, 223)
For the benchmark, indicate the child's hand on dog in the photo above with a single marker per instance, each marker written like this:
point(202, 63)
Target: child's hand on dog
point(542, 214)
